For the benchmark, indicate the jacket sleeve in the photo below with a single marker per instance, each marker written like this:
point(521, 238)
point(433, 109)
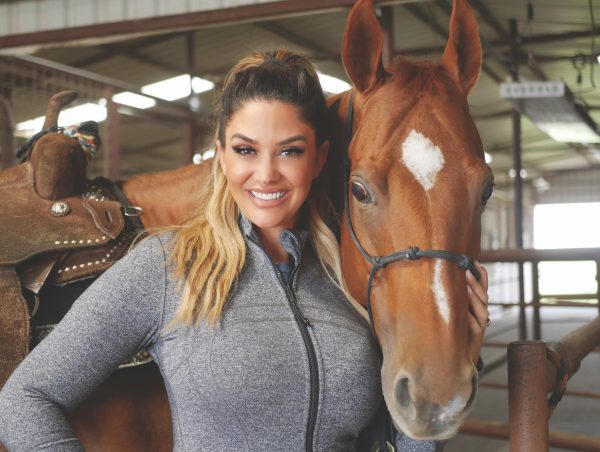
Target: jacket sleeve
point(120, 313)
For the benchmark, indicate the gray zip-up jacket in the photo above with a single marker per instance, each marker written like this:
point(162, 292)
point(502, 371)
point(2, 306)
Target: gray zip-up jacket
point(288, 364)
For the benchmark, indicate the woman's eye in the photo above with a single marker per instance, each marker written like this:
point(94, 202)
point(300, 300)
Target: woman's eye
point(243, 150)
point(487, 194)
point(360, 193)
point(292, 151)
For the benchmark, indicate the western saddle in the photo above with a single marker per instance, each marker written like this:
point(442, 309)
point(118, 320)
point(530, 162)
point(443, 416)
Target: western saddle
point(58, 228)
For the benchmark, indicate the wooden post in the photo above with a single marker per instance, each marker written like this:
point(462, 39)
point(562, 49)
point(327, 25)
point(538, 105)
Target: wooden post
point(527, 396)
point(7, 139)
point(112, 139)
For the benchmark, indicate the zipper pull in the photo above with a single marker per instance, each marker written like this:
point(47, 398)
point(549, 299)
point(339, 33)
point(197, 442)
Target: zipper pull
point(307, 322)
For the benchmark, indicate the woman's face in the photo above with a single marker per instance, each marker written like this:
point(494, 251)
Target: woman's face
point(270, 158)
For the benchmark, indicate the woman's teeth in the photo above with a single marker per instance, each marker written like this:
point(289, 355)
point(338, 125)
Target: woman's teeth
point(268, 196)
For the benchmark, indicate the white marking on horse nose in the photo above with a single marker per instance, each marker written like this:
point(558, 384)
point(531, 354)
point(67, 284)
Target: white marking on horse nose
point(456, 405)
point(423, 158)
point(437, 286)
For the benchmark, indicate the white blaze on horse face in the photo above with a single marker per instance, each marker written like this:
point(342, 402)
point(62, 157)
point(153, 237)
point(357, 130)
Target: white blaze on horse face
point(437, 286)
point(423, 158)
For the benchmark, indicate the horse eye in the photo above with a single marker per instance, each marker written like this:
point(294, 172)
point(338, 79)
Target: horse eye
point(360, 193)
point(487, 194)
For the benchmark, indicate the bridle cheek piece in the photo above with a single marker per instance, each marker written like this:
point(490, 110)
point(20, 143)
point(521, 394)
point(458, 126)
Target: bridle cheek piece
point(411, 253)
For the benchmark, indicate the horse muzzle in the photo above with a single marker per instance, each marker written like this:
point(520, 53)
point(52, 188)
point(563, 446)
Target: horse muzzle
point(418, 412)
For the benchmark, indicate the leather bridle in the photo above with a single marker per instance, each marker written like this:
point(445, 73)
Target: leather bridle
point(410, 253)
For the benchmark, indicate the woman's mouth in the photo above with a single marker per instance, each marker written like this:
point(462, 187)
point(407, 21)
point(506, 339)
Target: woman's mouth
point(268, 196)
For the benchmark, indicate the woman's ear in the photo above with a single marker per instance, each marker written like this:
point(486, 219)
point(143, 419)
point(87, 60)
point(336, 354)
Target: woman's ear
point(322, 153)
point(220, 154)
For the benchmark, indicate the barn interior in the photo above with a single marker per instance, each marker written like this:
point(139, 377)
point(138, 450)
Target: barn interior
point(150, 71)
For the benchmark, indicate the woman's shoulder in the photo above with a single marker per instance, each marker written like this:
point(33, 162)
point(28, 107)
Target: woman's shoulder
point(161, 243)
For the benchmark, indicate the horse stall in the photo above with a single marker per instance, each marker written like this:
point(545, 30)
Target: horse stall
point(542, 335)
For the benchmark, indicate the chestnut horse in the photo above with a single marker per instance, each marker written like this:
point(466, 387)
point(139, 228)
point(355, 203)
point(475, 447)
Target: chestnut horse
point(417, 177)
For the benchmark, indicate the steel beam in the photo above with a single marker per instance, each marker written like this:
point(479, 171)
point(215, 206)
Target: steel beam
point(112, 139)
point(245, 13)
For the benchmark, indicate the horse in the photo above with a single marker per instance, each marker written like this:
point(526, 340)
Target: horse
point(415, 176)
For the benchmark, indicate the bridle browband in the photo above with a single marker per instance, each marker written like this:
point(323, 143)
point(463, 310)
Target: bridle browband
point(411, 253)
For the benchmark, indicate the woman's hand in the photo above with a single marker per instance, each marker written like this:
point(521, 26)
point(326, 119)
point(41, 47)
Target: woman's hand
point(478, 310)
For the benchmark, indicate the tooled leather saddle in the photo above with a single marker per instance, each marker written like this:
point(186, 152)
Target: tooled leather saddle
point(58, 231)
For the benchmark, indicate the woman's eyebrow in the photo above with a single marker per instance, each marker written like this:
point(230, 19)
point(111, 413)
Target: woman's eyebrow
point(243, 137)
point(292, 139)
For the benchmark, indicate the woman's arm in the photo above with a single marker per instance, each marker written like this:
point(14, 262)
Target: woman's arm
point(120, 313)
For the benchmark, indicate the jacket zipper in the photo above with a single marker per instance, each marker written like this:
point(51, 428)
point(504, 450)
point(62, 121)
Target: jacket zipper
point(303, 324)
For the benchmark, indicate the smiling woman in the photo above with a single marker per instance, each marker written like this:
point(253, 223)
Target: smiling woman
point(270, 159)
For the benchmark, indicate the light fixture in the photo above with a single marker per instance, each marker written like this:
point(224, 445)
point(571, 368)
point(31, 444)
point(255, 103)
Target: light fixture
point(85, 112)
point(197, 158)
point(209, 153)
point(177, 87)
point(332, 85)
point(134, 100)
point(540, 184)
point(512, 173)
point(552, 107)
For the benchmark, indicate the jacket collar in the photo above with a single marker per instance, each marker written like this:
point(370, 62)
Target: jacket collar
point(293, 241)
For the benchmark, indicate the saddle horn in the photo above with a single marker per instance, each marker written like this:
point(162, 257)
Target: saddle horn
point(59, 163)
point(55, 105)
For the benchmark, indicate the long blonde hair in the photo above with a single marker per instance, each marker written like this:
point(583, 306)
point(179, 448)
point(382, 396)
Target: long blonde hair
point(209, 251)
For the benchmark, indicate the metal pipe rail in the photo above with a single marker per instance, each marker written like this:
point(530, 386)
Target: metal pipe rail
point(535, 370)
point(536, 256)
point(500, 430)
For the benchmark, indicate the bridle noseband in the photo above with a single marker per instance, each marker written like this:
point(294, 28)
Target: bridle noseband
point(410, 253)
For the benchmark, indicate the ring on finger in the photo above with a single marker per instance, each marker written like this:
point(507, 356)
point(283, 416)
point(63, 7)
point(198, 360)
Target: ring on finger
point(487, 323)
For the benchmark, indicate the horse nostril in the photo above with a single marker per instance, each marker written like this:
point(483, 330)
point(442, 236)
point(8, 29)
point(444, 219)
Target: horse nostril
point(402, 392)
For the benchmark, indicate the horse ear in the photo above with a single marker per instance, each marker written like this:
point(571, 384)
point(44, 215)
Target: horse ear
point(462, 56)
point(362, 46)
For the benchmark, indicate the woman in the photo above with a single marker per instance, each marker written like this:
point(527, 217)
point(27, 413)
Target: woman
point(239, 307)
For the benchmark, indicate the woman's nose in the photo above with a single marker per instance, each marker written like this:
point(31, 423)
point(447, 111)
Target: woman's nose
point(267, 171)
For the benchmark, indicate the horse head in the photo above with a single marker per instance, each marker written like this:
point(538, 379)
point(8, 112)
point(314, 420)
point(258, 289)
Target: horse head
point(417, 177)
